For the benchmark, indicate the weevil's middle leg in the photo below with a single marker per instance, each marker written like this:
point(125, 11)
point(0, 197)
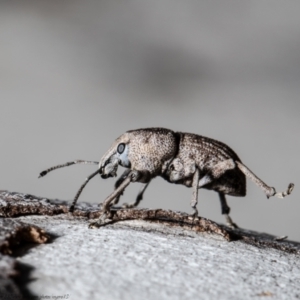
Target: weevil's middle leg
point(226, 210)
point(139, 197)
point(194, 200)
point(269, 191)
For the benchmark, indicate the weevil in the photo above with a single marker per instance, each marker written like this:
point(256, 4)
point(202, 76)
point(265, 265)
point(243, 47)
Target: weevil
point(181, 158)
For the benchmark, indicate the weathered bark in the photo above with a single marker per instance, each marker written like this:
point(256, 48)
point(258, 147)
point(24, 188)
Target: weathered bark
point(18, 204)
point(19, 225)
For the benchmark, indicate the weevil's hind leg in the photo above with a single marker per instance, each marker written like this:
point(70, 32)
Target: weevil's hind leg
point(195, 187)
point(139, 197)
point(70, 163)
point(285, 193)
point(226, 210)
point(269, 191)
point(216, 172)
point(118, 183)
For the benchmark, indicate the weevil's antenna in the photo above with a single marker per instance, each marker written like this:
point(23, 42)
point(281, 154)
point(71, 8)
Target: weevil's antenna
point(79, 161)
point(71, 209)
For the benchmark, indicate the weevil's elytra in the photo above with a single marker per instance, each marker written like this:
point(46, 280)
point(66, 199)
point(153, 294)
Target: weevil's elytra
point(181, 158)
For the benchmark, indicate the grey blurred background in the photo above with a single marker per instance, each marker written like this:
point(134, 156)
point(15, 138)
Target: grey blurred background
point(74, 75)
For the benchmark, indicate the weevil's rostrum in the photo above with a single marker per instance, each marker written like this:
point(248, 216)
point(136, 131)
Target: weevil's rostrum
point(181, 158)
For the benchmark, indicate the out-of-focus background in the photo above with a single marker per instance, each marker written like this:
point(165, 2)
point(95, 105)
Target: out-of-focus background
point(74, 75)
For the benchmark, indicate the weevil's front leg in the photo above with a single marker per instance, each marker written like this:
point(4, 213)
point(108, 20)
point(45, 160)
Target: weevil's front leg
point(118, 183)
point(226, 210)
point(132, 177)
point(194, 200)
point(269, 191)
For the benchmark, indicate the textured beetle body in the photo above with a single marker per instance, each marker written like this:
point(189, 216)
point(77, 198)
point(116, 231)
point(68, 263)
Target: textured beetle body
point(181, 158)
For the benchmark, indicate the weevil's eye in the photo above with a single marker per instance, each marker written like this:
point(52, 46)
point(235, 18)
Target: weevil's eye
point(121, 148)
point(172, 168)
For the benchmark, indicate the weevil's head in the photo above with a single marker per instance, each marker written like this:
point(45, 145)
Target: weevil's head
point(144, 150)
point(116, 155)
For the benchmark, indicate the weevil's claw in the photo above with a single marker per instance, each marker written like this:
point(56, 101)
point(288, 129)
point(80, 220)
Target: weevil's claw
point(94, 225)
point(128, 205)
point(280, 238)
point(290, 187)
point(194, 215)
point(230, 223)
point(72, 208)
point(103, 219)
point(43, 174)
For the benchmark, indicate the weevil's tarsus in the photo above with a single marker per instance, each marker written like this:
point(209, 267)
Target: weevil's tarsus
point(102, 220)
point(225, 209)
point(72, 207)
point(285, 193)
point(230, 223)
point(280, 238)
point(269, 191)
point(70, 163)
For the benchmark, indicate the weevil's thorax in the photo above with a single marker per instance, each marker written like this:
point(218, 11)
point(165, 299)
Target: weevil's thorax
point(151, 149)
point(148, 151)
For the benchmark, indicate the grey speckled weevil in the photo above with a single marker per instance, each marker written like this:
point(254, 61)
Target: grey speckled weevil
point(181, 158)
